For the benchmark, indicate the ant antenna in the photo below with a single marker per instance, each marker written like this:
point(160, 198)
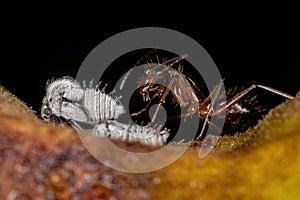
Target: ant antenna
point(135, 65)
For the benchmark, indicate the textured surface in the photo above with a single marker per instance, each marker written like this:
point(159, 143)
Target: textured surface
point(38, 160)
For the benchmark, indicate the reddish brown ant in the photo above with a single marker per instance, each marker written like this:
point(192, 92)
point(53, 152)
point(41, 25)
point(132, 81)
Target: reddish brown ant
point(186, 92)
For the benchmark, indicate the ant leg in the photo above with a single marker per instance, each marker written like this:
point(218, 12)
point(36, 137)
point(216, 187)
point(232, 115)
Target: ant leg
point(161, 101)
point(275, 91)
point(246, 91)
point(216, 92)
point(160, 89)
point(146, 107)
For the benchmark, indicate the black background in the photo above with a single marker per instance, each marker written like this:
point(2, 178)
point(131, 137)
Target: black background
point(248, 43)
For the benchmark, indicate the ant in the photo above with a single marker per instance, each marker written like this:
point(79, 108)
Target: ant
point(186, 92)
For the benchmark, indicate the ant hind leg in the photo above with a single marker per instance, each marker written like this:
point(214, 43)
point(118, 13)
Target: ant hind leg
point(246, 91)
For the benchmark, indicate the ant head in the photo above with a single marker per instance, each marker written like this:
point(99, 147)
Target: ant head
point(146, 86)
point(145, 89)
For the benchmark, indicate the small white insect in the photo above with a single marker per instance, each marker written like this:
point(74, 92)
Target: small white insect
point(66, 100)
point(132, 133)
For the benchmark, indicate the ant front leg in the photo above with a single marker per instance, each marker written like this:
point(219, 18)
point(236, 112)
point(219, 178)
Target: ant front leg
point(161, 101)
point(158, 92)
point(147, 106)
point(163, 92)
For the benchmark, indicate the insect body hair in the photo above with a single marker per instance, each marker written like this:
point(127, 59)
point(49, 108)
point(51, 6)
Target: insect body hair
point(100, 106)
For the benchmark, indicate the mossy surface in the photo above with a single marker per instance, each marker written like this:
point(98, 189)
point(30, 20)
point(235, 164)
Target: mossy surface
point(262, 163)
point(283, 119)
point(38, 160)
point(10, 105)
